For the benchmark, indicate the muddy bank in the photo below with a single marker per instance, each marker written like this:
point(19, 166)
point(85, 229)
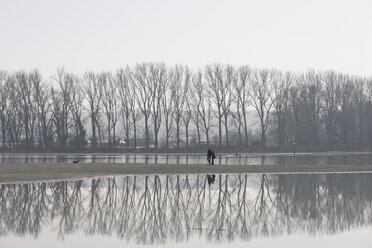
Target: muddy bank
point(22, 172)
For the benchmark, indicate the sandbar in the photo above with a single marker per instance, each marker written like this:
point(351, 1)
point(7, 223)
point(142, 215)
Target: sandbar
point(31, 172)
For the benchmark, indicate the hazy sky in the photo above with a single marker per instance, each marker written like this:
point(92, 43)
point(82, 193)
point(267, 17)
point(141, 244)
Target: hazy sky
point(105, 35)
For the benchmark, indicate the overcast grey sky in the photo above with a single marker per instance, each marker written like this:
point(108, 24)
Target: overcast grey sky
point(105, 35)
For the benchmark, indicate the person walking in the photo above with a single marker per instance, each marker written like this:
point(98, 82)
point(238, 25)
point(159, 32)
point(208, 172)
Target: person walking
point(209, 155)
point(213, 156)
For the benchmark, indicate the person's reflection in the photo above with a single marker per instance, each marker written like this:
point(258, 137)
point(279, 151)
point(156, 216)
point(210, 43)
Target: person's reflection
point(211, 179)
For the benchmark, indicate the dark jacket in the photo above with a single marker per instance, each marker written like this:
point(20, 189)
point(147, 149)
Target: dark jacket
point(210, 153)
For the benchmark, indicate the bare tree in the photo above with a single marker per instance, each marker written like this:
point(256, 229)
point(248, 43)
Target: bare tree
point(230, 78)
point(187, 116)
point(195, 103)
point(135, 112)
point(360, 95)
point(61, 98)
point(331, 104)
point(41, 95)
point(139, 79)
point(25, 89)
point(168, 115)
point(295, 102)
point(202, 104)
point(347, 114)
point(4, 78)
point(219, 80)
point(14, 121)
point(241, 88)
point(77, 99)
point(261, 91)
point(158, 81)
point(312, 83)
point(128, 109)
point(179, 84)
point(110, 105)
point(281, 85)
point(93, 96)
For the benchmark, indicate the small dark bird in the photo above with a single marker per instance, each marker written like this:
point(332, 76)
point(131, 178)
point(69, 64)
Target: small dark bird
point(75, 161)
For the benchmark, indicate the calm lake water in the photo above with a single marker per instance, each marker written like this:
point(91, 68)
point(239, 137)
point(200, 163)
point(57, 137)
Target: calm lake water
point(250, 159)
point(254, 210)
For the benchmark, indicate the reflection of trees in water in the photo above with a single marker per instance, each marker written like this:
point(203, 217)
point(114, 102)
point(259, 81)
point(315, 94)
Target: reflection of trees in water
point(243, 206)
point(125, 208)
point(100, 215)
point(22, 208)
point(262, 209)
point(219, 224)
point(154, 209)
point(65, 204)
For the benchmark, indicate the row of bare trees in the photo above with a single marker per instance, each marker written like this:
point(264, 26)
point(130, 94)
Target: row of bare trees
point(155, 105)
point(160, 209)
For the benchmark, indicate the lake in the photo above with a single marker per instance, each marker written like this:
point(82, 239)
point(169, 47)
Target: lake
point(242, 159)
point(226, 210)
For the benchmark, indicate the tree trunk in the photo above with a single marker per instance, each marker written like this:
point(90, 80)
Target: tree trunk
point(219, 127)
point(135, 133)
point(245, 128)
point(178, 134)
point(147, 132)
point(94, 137)
point(226, 130)
point(187, 136)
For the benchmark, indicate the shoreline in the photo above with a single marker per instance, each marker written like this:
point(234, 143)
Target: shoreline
point(37, 172)
point(141, 153)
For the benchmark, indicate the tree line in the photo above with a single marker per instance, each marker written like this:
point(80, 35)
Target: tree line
point(154, 105)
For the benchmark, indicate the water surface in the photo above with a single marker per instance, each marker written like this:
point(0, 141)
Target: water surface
point(190, 210)
point(243, 159)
